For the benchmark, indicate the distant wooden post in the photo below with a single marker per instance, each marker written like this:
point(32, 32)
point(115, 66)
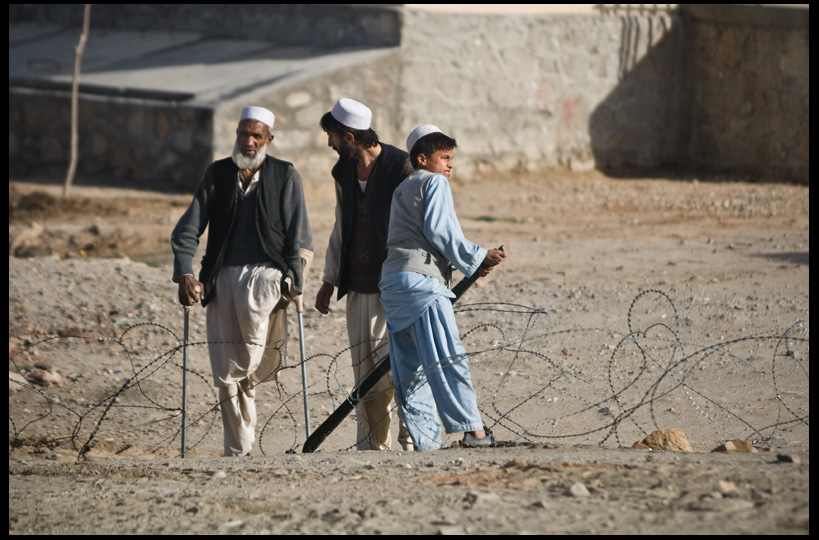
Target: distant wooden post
point(75, 87)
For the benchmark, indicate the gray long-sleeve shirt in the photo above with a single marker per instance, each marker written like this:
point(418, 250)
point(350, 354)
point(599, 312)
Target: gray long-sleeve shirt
point(192, 224)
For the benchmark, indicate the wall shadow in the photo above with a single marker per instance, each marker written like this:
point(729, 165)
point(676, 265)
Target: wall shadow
point(641, 126)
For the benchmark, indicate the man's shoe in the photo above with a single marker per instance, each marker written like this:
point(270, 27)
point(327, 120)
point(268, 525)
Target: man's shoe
point(471, 440)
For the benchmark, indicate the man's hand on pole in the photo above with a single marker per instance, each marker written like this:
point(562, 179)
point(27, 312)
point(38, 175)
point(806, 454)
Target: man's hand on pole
point(191, 291)
point(306, 260)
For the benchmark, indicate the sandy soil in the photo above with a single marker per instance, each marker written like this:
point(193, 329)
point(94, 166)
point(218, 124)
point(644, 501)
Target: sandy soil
point(625, 307)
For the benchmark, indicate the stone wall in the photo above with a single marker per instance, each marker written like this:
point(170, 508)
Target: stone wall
point(125, 142)
point(165, 142)
point(533, 92)
point(751, 82)
point(518, 92)
point(702, 90)
point(698, 91)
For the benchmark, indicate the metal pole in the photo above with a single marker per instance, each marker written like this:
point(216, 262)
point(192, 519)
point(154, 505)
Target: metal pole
point(306, 258)
point(185, 382)
point(303, 368)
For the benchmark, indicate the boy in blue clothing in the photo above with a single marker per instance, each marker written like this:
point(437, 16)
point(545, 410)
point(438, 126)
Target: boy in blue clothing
point(429, 366)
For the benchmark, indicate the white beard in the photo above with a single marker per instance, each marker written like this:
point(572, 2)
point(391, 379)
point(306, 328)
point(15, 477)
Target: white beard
point(248, 163)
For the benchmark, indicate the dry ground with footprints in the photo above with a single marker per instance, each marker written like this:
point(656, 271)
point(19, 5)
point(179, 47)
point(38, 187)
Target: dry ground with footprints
point(625, 306)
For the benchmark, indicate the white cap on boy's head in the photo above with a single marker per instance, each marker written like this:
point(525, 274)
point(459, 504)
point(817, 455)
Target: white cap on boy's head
point(260, 114)
point(352, 114)
point(419, 132)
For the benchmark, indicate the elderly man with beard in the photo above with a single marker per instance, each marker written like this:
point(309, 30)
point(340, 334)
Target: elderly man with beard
point(366, 174)
point(259, 245)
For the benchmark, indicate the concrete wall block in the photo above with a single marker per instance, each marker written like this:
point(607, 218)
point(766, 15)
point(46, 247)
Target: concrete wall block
point(752, 92)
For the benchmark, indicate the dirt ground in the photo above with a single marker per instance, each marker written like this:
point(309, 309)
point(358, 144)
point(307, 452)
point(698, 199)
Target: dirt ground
point(624, 307)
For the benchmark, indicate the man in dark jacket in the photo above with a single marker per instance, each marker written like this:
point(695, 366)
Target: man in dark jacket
point(366, 174)
point(259, 243)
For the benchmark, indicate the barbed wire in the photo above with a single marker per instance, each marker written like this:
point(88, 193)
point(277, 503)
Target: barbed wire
point(534, 385)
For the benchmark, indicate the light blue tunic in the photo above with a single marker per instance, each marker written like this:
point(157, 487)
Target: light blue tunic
point(430, 370)
point(405, 295)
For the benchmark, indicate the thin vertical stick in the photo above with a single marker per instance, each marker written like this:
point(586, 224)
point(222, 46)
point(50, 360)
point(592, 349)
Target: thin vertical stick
point(185, 383)
point(75, 87)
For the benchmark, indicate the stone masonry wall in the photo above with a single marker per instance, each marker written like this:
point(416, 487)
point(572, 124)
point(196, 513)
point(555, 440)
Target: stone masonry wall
point(519, 93)
point(699, 91)
point(705, 90)
point(527, 92)
point(124, 142)
point(751, 84)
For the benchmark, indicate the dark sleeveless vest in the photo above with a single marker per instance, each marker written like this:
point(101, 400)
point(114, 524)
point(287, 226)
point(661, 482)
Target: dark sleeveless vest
point(389, 170)
point(222, 213)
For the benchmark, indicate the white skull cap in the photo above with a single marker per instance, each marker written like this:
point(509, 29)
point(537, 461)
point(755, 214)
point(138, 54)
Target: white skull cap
point(260, 114)
point(419, 132)
point(352, 114)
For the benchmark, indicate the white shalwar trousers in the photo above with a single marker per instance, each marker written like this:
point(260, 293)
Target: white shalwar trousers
point(433, 384)
point(238, 321)
point(367, 332)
